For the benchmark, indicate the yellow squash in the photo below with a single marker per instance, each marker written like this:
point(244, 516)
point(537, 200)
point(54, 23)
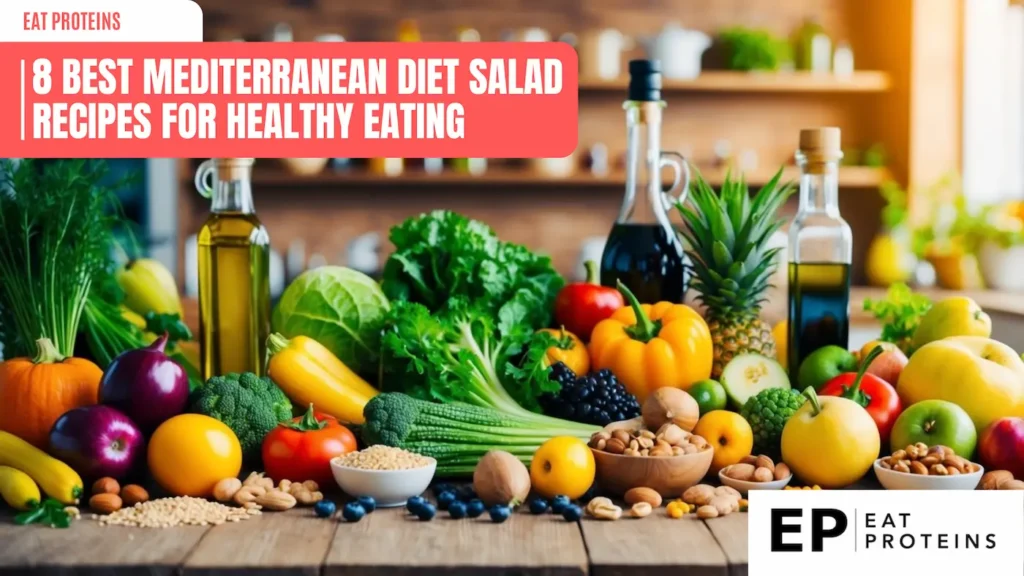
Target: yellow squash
point(651, 346)
point(56, 478)
point(309, 374)
point(18, 489)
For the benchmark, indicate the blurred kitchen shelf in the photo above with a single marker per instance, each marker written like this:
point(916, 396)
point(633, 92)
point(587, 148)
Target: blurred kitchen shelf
point(849, 177)
point(729, 81)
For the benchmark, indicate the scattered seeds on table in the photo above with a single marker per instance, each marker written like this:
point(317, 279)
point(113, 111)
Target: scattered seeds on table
point(538, 506)
point(380, 457)
point(475, 508)
point(324, 509)
point(353, 512)
point(182, 511)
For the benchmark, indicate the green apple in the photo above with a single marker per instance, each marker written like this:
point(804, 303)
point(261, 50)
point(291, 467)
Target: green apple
point(936, 423)
point(709, 394)
point(824, 364)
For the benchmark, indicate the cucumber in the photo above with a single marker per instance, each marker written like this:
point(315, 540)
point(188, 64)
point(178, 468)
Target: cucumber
point(747, 374)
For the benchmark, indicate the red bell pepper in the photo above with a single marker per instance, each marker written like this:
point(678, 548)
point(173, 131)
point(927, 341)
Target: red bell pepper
point(877, 396)
point(581, 305)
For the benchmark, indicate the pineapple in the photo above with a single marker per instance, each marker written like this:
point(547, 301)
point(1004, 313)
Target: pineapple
point(727, 237)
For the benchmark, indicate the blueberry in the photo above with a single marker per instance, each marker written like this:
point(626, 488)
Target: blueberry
point(457, 510)
point(559, 504)
point(353, 512)
point(324, 509)
point(538, 506)
point(475, 508)
point(425, 512)
point(572, 513)
point(466, 493)
point(500, 513)
point(415, 503)
point(443, 487)
point(368, 503)
point(444, 499)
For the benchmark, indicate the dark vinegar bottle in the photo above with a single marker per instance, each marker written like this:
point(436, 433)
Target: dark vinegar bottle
point(643, 250)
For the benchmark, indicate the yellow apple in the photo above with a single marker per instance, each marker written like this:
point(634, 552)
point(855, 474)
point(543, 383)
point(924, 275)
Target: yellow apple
point(953, 316)
point(981, 375)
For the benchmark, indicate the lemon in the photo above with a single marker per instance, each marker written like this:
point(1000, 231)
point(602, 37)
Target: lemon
point(781, 335)
point(888, 261)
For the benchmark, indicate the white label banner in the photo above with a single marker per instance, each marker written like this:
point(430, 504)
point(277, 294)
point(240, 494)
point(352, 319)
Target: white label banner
point(800, 533)
point(100, 21)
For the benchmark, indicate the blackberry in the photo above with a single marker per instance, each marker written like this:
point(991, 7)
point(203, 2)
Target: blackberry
point(595, 399)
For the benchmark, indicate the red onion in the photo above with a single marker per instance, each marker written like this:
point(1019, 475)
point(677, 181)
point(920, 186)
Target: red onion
point(146, 385)
point(97, 441)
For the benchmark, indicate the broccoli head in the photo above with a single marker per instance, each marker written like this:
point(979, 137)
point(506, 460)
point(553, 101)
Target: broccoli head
point(767, 413)
point(251, 406)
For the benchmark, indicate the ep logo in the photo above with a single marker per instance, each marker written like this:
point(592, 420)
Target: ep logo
point(821, 523)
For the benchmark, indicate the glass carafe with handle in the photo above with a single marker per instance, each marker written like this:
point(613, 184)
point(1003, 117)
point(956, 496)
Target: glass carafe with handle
point(643, 250)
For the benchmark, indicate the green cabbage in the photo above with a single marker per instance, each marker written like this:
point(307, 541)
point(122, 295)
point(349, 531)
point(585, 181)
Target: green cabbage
point(341, 309)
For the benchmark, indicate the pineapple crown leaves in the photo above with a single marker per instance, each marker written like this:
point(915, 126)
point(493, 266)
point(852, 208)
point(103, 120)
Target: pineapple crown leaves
point(726, 235)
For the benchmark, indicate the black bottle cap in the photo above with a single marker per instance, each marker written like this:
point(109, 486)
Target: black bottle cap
point(644, 80)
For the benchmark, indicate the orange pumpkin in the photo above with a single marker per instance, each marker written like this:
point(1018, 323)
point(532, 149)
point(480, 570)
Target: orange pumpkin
point(35, 392)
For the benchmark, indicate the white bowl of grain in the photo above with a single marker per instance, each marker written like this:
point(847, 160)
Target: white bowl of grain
point(389, 475)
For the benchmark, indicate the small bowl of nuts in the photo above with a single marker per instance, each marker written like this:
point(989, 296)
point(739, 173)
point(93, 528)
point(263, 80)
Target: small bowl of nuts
point(667, 461)
point(756, 473)
point(923, 467)
point(389, 475)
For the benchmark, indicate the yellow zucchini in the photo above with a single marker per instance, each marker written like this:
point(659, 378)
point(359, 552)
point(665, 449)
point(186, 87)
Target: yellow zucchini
point(56, 478)
point(18, 490)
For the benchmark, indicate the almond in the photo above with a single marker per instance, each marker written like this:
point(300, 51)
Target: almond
point(133, 494)
point(106, 486)
point(763, 474)
point(782, 471)
point(765, 462)
point(105, 503)
point(740, 471)
point(643, 494)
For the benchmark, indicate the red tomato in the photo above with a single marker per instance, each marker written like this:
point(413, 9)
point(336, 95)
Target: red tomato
point(302, 449)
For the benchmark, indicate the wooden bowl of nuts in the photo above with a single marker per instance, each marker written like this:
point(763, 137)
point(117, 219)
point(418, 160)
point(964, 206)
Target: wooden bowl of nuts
point(756, 473)
point(668, 461)
point(923, 467)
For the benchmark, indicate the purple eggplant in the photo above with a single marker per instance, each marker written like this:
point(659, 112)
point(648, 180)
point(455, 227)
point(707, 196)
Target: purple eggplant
point(146, 385)
point(97, 441)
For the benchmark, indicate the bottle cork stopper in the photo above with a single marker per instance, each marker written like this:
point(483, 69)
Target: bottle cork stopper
point(822, 142)
point(233, 168)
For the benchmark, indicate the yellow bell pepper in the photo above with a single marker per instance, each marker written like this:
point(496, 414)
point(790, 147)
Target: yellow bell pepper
point(575, 355)
point(308, 373)
point(651, 346)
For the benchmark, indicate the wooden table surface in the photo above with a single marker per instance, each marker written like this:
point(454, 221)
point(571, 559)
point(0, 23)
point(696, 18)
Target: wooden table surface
point(385, 542)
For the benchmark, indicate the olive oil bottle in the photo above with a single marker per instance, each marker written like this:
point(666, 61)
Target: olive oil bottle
point(820, 252)
point(234, 272)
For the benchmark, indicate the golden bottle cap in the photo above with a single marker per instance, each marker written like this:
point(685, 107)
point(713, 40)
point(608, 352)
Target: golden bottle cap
point(822, 142)
point(233, 168)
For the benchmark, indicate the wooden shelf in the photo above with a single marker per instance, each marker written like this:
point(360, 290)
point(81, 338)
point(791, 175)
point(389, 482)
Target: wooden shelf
point(759, 82)
point(849, 177)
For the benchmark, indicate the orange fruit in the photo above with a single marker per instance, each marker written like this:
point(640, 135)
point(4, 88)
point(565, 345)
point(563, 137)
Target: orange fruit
point(729, 433)
point(190, 453)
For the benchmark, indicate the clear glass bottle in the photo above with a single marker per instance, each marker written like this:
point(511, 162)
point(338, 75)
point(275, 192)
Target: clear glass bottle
point(234, 271)
point(643, 250)
point(820, 251)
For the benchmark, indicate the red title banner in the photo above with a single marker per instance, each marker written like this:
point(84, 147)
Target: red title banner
point(272, 100)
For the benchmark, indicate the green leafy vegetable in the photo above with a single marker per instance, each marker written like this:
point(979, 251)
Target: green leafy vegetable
point(900, 313)
point(50, 513)
point(750, 49)
point(444, 255)
point(251, 406)
point(458, 435)
point(55, 235)
point(338, 307)
point(464, 354)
